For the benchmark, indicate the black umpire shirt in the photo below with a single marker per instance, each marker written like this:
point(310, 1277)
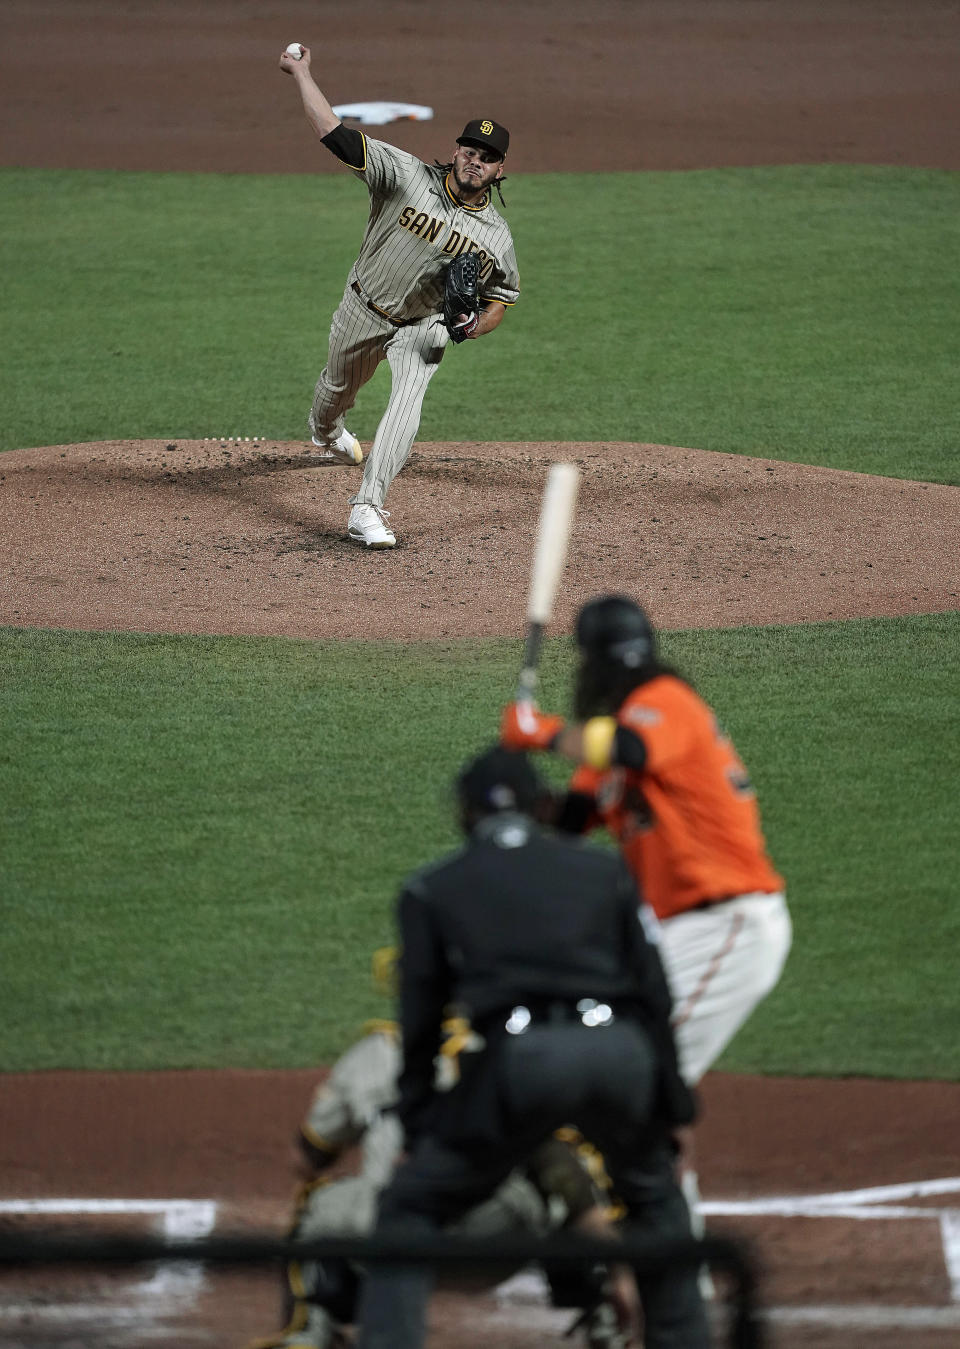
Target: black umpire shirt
point(523, 917)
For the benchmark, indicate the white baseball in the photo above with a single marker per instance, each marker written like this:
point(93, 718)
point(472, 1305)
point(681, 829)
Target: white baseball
point(295, 49)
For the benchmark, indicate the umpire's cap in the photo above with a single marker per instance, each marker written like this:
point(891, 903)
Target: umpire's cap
point(615, 628)
point(486, 135)
point(500, 779)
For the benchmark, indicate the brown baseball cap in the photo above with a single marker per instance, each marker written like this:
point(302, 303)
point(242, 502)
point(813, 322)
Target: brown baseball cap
point(485, 135)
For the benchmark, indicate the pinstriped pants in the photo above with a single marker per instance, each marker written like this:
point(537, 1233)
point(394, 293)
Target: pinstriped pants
point(359, 341)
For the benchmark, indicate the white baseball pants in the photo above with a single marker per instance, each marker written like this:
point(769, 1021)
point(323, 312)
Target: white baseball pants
point(720, 963)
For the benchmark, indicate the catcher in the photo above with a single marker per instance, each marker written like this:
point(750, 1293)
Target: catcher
point(563, 1184)
point(436, 265)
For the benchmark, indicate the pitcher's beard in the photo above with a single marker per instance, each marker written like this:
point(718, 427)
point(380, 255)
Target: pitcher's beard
point(466, 187)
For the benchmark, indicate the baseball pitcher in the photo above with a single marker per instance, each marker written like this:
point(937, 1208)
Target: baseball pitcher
point(408, 293)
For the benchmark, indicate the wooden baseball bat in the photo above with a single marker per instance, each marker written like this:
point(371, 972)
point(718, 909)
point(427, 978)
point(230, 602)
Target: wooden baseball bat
point(550, 554)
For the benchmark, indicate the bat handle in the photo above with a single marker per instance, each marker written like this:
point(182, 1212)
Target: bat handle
point(527, 683)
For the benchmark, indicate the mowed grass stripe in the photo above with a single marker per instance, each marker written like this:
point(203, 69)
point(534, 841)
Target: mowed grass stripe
point(204, 837)
point(803, 313)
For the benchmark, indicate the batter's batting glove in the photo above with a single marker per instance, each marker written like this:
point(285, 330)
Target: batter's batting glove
point(523, 726)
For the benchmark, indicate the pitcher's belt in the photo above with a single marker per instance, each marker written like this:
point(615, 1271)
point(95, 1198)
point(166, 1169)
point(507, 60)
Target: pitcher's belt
point(375, 309)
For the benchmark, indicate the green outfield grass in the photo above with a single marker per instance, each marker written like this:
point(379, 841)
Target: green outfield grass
point(803, 313)
point(203, 837)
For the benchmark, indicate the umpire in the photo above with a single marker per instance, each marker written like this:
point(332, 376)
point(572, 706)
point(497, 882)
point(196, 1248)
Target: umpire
point(535, 939)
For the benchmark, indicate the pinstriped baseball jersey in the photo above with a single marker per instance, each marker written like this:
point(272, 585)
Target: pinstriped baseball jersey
point(415, 229)
point(392, 306)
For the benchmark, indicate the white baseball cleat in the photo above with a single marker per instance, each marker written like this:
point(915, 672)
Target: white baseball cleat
point(368, 524)
point(345, 449)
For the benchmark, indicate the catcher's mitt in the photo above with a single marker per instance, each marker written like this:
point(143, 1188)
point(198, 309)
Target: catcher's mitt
point(461, 306)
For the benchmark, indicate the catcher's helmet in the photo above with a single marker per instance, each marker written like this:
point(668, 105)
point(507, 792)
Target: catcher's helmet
point(615, 628)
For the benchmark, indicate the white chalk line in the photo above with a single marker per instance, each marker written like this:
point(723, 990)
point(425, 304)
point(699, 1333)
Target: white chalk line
point(174, 1283)
point(877, 1194)
point(950, 1235)
point(182, 1218)
point(528, 1289)
point(866, 1316)
point(528, 1292)
point(801, 1208)
point(863, 1205)
point(187, 1219)
point(144, 1317)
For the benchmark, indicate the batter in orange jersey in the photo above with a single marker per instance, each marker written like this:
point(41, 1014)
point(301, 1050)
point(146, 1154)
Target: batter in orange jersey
point(679, 800)
point(657, 770)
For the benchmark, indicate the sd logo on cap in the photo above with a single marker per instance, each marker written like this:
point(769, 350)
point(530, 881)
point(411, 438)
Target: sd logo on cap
point(486, 135)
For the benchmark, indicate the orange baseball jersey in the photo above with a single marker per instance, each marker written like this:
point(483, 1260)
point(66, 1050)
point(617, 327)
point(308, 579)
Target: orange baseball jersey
point(687, 820)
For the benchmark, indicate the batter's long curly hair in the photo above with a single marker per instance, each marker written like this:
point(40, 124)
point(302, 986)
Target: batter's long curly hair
point(601, 684)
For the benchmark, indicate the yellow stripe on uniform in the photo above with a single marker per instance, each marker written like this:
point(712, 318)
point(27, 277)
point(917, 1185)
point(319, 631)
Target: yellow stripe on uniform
point(361, 168)
point(299, 1290)
point(457, 1033)
point(481, 206)
point(318, 1141)
point(378, 1027)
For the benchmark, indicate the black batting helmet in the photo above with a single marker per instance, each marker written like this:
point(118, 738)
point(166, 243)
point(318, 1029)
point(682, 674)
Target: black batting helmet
point(615, 628)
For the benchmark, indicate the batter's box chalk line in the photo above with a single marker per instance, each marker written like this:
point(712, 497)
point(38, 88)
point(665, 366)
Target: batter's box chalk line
point(875, 1204)
point(189, 1219)
point(178, 1282)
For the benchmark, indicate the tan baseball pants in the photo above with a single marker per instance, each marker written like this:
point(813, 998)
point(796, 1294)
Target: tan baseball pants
point(359, 341)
